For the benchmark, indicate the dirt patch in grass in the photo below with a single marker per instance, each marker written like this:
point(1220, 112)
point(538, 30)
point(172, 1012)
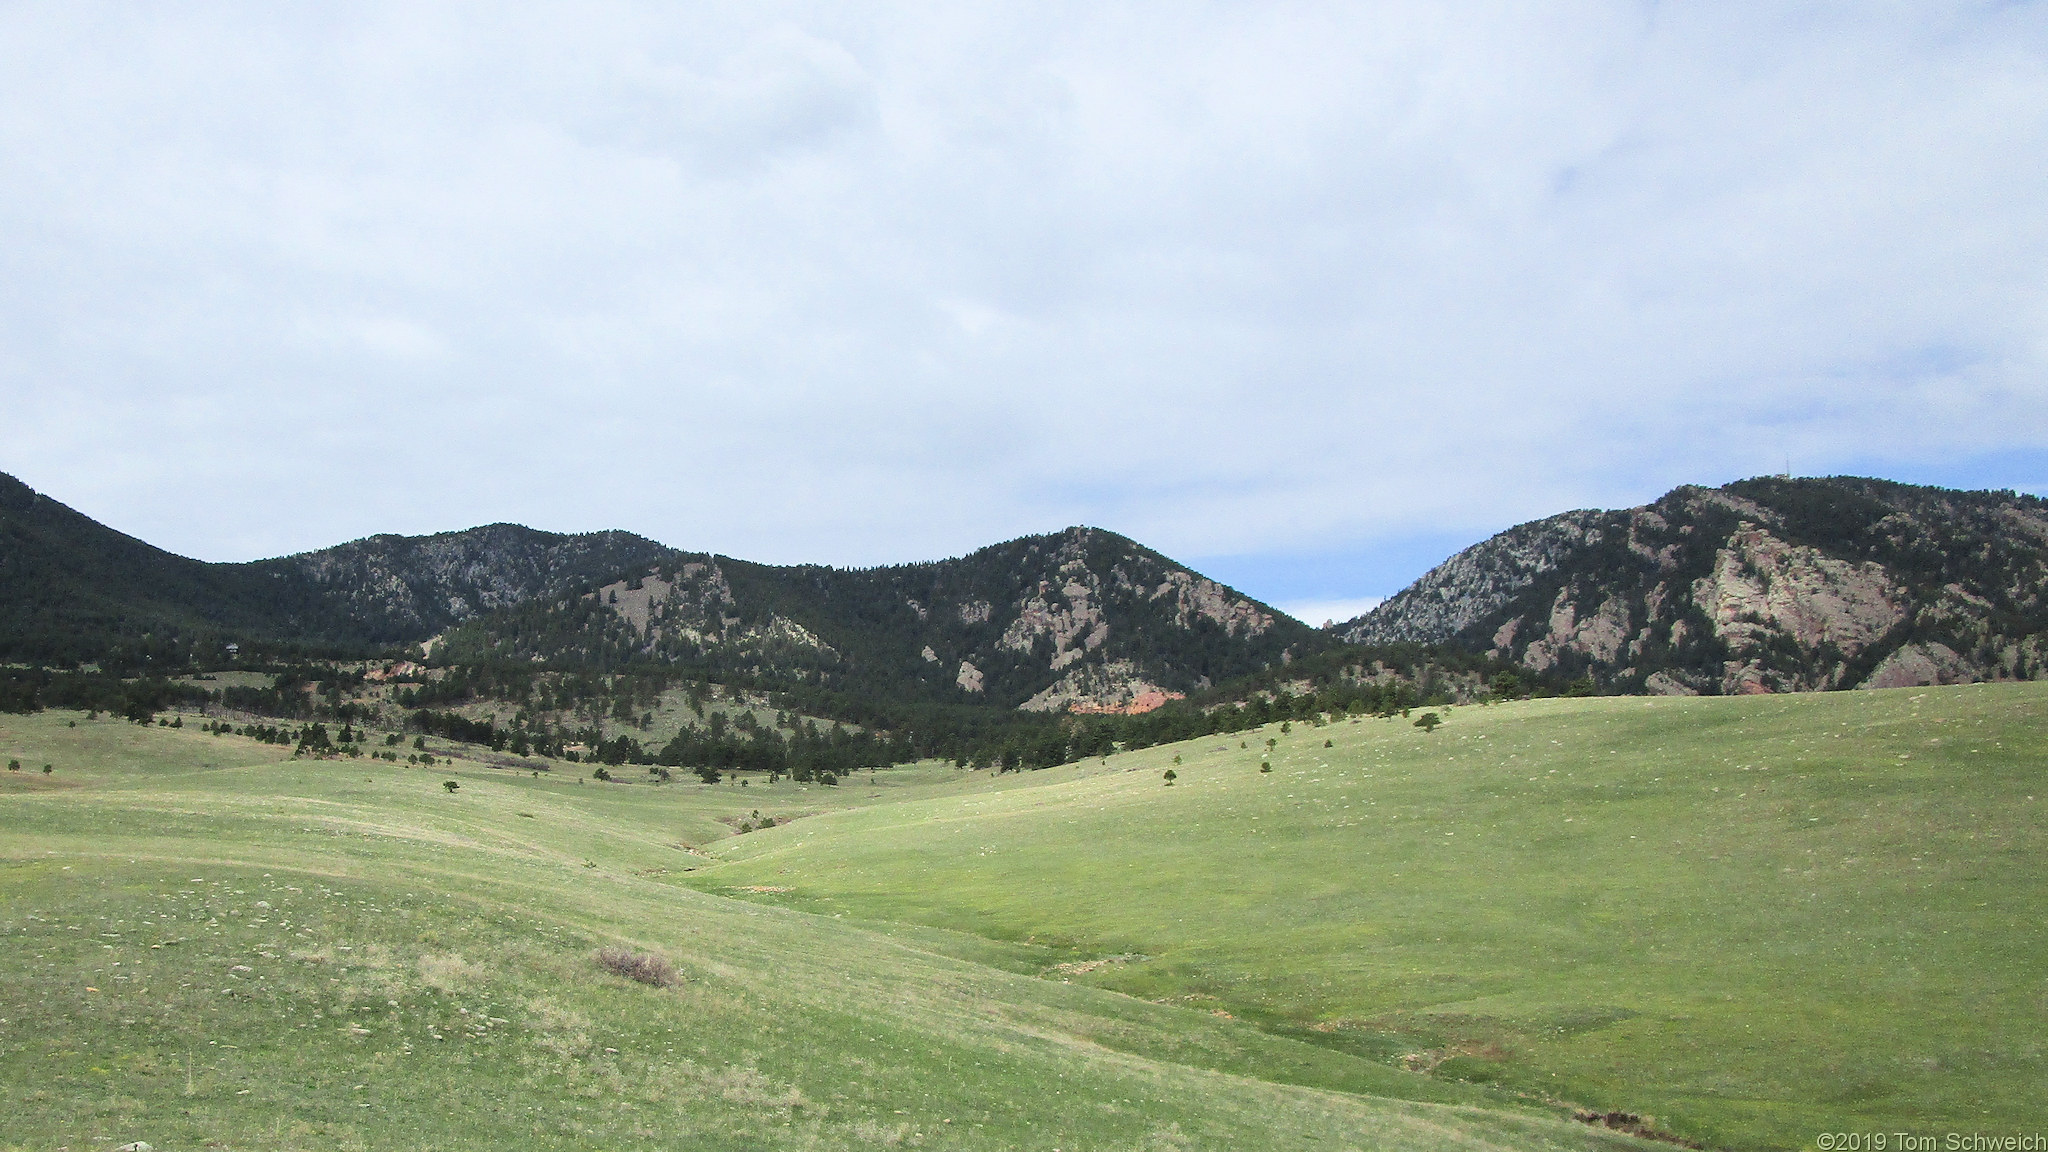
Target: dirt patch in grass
point(1083, 967)
point(1634, 1125)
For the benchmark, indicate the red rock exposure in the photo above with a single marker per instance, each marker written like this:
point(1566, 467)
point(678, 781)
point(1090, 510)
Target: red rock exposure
point(1141, 703)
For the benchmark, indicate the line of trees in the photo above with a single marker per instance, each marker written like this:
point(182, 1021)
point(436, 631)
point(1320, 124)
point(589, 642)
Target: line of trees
point(139, 699)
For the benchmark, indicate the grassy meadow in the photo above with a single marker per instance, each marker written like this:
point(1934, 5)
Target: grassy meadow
point(209, 945)
point(1753, 919)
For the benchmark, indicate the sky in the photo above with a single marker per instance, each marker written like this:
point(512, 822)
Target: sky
point(1306, 296)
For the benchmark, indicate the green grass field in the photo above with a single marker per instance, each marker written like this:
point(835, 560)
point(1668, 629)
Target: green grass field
point(209, 946)
point(1753, 920)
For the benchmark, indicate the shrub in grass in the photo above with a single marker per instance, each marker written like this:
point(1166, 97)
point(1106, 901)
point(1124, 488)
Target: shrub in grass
point(47, 769)
point(14, 765)
point(1171, 776)
point(1265, 765)
point(450, 785)
point(1428, 721)
point(641, 966)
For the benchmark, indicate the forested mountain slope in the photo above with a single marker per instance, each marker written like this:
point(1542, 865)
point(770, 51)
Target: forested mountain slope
point(405, 588)
point(72, 589)
point(1081, 617)
point(1763, 585)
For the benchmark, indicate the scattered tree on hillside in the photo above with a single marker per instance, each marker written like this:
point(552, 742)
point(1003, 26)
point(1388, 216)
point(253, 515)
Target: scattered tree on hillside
point(1428, 721)
point(450, 785)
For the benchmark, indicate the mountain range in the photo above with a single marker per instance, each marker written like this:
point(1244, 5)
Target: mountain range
point(1081, 617)
point(1763, 585)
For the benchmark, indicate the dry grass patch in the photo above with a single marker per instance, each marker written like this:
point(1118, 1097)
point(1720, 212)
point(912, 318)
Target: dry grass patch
point(644, 967)
point(449, 973)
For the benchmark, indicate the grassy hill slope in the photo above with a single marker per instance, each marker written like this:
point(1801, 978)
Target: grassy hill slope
point(209, 946)
point(1757, 919)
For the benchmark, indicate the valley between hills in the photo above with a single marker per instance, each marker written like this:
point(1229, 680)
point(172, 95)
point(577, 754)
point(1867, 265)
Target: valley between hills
point(585, 842)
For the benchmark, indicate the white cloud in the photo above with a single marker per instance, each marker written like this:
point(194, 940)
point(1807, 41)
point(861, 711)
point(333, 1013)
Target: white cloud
point(889, 282)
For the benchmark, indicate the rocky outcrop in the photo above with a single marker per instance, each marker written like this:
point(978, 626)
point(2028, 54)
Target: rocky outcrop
point(1115, 686)
point(1917, 664)
point(1765, 585)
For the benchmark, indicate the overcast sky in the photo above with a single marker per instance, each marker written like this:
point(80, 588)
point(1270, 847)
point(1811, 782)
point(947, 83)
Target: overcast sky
point(1306, 295)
